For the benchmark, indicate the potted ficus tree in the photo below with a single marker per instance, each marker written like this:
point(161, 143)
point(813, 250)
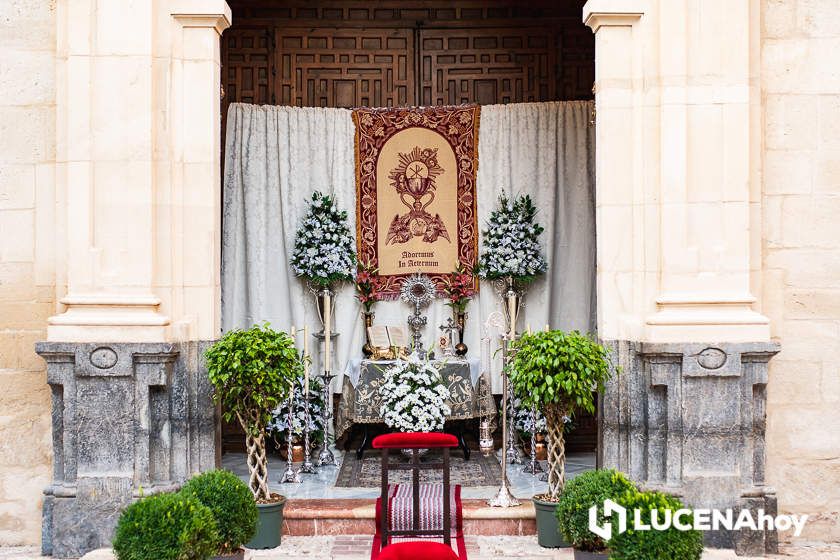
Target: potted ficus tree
point(557, 372)
point(252, 372)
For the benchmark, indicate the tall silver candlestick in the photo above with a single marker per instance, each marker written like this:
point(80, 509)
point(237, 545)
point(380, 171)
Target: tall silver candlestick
point(326, 457)
point(291, 474)
point(533, 466)
point(514, 455)
point(307, 467)
point(503, 497)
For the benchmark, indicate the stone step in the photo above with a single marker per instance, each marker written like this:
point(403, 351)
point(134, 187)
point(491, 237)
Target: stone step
point(304, 517)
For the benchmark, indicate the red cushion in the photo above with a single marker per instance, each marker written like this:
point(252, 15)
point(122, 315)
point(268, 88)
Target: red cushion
point(417, 550)
point(414, 440)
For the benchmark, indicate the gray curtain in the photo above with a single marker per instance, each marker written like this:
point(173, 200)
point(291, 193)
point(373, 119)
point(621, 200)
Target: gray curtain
point(275, 157)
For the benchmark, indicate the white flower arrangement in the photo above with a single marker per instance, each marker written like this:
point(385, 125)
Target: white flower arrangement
point(279, 424)
point(511, 241)
point(414, 396)
point(324, 248)
point(524, 422)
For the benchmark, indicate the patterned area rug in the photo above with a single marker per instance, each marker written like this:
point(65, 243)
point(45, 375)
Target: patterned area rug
point(478, 471)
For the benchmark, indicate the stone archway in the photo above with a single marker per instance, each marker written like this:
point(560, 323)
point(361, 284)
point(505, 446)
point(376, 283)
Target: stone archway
point(676, 206)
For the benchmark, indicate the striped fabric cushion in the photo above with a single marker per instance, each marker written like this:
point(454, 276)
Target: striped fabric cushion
point(431, 507)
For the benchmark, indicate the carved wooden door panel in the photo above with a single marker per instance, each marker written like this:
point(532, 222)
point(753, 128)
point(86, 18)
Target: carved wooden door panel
point(325, 67)
point(487, 65)
point(248, 65)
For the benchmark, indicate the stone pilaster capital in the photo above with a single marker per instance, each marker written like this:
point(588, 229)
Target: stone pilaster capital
point(612, 13)
point(215, 14)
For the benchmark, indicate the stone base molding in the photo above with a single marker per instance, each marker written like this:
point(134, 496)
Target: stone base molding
point(129, 419)
point(689, 419)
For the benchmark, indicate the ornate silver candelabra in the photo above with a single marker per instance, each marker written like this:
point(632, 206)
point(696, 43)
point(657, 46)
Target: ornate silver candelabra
point(512, 295)
point(291, 475)
point(533, 466)
point(326, 457)
point(307, 467)
point(503, 497)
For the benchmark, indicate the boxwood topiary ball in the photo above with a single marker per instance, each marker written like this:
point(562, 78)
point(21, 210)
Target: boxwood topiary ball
point(166, 527)
point(670, 544)
point(231, 502)
point(581, 493)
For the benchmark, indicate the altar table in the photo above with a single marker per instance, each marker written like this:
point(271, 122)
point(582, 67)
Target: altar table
point(360, 401)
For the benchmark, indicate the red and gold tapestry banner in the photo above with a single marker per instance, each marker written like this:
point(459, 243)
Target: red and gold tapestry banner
point(415, 182)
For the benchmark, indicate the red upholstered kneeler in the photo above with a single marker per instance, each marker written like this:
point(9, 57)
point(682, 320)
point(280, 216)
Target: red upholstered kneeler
point(426, 511)
point(418, 550)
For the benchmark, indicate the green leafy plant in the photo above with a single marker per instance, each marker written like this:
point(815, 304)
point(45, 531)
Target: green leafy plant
point(166, 527)
point(558, 372)
point(668, 544)
point(252, 372)
point(232, 504)
point(589, 489)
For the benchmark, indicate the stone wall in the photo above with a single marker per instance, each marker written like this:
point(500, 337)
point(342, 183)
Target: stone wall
point(800, 82)
point(27, 269)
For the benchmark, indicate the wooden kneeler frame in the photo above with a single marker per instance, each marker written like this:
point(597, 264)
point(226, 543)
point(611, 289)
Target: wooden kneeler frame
point(416, 442)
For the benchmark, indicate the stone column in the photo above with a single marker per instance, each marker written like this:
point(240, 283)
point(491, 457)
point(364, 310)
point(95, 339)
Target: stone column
point(105, 149)
point(138, 157)
point(675, 97)
point(138, 161)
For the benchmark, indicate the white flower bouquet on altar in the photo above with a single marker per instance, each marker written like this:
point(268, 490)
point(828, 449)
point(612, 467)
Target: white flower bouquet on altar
point(414, 396)
point(511, 241)
point(324, 248)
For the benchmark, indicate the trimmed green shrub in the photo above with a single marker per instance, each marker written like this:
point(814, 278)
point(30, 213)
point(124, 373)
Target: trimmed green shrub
point(166, 527)
point(670, 544)
point(581, 493)
point(232, 505)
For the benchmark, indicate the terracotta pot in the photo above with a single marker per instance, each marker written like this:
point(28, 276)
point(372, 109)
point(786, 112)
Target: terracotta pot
point(297, 451)
point(542, 448)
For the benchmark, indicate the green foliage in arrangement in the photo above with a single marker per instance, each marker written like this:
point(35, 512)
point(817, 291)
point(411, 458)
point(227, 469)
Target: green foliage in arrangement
point(232, 504)
point(581, 493)
point(252, 372)
point(559, 368)
point(670, 544)
point(166, 527)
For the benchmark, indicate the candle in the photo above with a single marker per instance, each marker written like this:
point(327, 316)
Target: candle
point(306, 360)
point(327, 312)
point(546, 328)
point(529, 328)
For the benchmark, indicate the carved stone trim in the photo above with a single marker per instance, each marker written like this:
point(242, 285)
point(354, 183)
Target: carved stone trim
point(690, 419)
point(125, 416)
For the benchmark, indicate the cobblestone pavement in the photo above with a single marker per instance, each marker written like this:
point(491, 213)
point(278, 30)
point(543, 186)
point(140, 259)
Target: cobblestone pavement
point(347, 547)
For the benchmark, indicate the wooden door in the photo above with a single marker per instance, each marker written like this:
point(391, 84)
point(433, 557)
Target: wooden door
point(487, 66)
point(326, 67)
